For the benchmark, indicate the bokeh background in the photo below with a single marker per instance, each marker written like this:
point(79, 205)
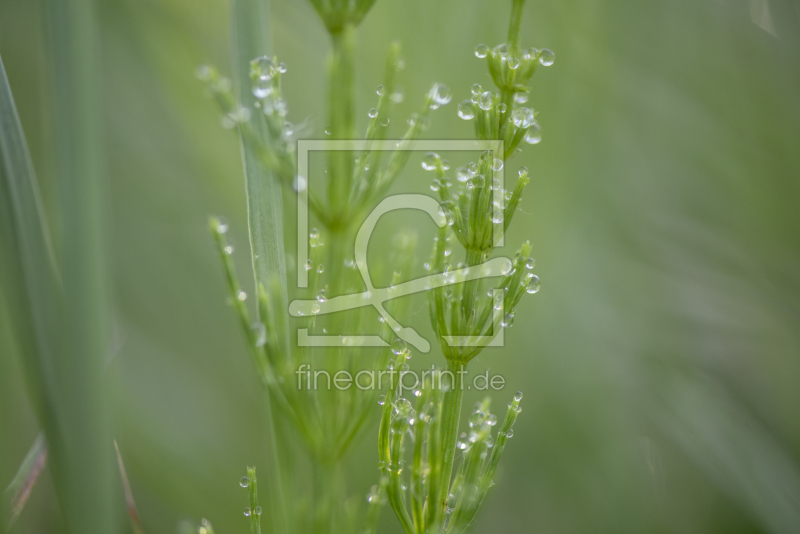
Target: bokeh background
point(660, 362)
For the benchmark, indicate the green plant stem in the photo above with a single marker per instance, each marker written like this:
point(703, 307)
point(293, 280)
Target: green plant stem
point(513, 43)
point(515, 22)
point(342, 114)
point(451, 414)
point(326, 477)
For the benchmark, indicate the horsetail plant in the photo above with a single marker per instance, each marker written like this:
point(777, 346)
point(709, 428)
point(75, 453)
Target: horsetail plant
point(478, 218)
point(477, 214)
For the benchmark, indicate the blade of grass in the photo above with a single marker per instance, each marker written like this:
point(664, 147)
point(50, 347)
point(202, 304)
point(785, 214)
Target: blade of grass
point(80, 441)
point(264, 208)
point(20, 488)
point(130, 504)
point(31, 286)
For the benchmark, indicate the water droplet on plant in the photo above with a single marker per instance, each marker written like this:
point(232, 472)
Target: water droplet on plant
point(382, 401)
point(497, 164)
point(262, 88)
point(247, 511)
point(481, 51)
point(262, 67)
point(465, 110)
point(299, 184)
point(430, 161)
point(547, 57)
point(501, 107)
point(518, 396)
point(222, 225)
point(372, 113)
point(440, 94)
point(534, 134)
point(485, 101)
point(381, 90)
point(384, 123)
point(501, 49)
point(244, 482)
point(472, 168)
point(398, 346)
point(228, 249)
point(521, 97)
point(477, 89)
point(530, 263)
point(533, 285)
point(320, 268)
point(327, 130)
point(241, 296)
point(513, 63)
point(491, 420)
point(510, 433)
point(497, 216)
point(257, 510)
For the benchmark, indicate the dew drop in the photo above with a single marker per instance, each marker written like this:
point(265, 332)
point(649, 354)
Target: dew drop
point(533, 285)
point(430, 161)
point(247, 512)
point(440, 94)
point(497, 216)
point(241, 296)
point(398, 346)
point(534, 134)
point(320, 268)
point(518, 396)
point(372, 113)
point(497, 164)
point(381, 90)
point(382, 400)
point(262, 88)
point(530, 263)
point(481, 51)
point(327, 130)
point(465, 110)
point(299, 184)
point(485, 101)
point(547, 57)
point(263, 68)
point(521, 97)
point(513, 63)
point(244, 482)
point(477, 89)
point(510, 433)
point(228, 249)
point(222, 225)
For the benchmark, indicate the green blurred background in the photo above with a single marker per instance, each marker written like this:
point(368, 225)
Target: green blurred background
point(660, 361)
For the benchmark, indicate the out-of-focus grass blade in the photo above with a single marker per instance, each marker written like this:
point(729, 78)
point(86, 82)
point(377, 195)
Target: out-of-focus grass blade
point(250, 33)
point(28, 273)
point(79, 439)
point(133, 512)
point(20, 488)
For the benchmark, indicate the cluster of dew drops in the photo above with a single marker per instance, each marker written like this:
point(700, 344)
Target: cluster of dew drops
point(245, 483)
point(522, 117)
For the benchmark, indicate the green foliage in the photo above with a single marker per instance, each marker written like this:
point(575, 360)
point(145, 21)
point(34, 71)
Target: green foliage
point(478, 211)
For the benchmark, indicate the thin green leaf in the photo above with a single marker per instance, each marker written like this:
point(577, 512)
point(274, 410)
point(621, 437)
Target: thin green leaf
point(130, 503)
point(250, 33)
